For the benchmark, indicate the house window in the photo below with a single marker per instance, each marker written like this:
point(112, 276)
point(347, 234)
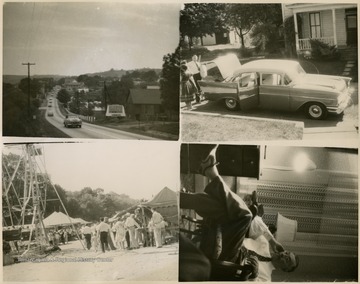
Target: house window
point(315, 26)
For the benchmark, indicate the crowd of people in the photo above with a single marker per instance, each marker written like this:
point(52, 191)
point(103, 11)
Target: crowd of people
point(129, 231)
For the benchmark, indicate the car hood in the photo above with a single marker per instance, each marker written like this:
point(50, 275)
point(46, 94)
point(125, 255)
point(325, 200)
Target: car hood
point(335, 83)
point(227, 64)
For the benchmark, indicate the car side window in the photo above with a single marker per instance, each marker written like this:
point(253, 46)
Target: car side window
point(246, 80)
point(270, 79)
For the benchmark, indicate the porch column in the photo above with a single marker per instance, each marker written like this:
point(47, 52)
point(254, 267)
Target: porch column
point(296, 33)
point(334, 26)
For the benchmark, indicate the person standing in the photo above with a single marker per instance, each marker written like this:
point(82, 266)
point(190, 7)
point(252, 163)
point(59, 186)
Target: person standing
point(131, 225)
point(197, 77)
point(188, 87)
point(86, 231)
point(103, 230)
point(157, 220)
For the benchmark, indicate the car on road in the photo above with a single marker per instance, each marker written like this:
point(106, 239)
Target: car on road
point(72, 121)
point(275, 84)
point(50, 113)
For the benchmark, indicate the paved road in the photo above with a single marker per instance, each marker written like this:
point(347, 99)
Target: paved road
point(88, 130)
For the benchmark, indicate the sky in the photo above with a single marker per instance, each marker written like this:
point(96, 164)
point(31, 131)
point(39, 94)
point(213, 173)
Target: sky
point(64, 38)
point(137, 168)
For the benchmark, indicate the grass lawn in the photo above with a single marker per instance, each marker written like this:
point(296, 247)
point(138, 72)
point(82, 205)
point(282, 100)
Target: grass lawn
point(196, 128)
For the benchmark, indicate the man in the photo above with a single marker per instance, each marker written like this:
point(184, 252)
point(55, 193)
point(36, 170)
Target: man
point(269, 260)
point(139, 232)
point(197, 77)
point(226, 217)
point(157, 220)
point(103, 230)
point(131, 225)
point(86, 231)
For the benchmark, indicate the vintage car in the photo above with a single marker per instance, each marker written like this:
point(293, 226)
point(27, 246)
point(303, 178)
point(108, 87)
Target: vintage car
point(72, 121)
point(274, 84)
point(50, 113)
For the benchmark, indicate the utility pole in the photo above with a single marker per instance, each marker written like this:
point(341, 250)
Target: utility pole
point(28, 65)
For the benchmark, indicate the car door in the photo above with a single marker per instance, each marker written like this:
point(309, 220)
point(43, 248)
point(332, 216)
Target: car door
point(273, 92)
point(248, 91)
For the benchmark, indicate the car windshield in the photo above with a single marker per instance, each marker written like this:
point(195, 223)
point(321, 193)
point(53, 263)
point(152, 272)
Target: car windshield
point(295, 72)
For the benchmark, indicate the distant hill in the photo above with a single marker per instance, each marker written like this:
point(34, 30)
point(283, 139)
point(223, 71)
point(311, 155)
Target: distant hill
point(15, 79)
point(121, 72)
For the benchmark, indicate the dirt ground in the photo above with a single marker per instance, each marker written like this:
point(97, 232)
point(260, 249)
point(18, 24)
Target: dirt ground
point(73, 263)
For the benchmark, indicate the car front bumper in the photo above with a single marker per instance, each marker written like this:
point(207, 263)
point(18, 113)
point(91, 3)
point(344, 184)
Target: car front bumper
point(342, 105)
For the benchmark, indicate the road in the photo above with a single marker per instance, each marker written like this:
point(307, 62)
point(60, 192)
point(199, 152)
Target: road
point(87, 130)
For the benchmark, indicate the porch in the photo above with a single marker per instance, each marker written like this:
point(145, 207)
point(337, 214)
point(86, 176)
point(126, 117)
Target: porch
point(333, 24)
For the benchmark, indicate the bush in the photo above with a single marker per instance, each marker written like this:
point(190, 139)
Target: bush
point(323, 51)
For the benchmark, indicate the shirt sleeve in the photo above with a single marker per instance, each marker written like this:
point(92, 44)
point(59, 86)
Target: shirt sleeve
point(258, 228)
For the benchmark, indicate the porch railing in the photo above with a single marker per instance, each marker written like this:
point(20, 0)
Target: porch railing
point(304, 43)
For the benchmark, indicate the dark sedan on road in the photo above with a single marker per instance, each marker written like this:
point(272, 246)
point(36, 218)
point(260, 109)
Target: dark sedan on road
point(281, 85)
point(72, 121)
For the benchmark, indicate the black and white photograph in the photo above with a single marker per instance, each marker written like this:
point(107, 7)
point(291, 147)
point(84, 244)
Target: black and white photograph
point(276, 71)
point(268, 213)
point(90, 211)
point(90, 70)
point(180, 141)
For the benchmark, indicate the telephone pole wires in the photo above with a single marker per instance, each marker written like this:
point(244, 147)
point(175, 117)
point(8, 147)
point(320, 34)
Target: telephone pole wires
point(28, 65)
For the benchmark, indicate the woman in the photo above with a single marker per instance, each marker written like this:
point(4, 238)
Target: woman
point(120, 234)
point(188, 87)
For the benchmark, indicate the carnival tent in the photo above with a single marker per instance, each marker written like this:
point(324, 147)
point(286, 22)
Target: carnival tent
point(58, 219)
point(165, 202)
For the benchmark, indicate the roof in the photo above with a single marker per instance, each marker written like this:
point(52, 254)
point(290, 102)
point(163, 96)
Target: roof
point(145, 96)
point(57, 218)
point(166, 197)
point(268, 65)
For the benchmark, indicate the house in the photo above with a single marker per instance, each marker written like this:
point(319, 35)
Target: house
point(332, 23)
point(143, 104)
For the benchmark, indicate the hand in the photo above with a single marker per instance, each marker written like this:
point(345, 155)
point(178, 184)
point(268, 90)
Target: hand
point(276, 246)
point(250, 269)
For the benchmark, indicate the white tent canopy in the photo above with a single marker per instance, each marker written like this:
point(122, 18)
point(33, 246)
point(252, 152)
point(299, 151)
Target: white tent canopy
point(59, 218)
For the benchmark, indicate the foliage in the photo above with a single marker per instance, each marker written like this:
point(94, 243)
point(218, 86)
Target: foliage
point(289, 34)
point(77, 102)
point(16, 118)
point(247, 17)
point(63, 96)
point(169, 84)
point(201, 19)
point(90, 81)
point(323, 51)
point(35, 86)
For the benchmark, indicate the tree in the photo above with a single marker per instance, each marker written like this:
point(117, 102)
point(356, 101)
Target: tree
point(63, 96)
point(16, 121)
point(244, 17)
point(35, 86)
point(170, 80)
point(149, 76)
point(198, 20)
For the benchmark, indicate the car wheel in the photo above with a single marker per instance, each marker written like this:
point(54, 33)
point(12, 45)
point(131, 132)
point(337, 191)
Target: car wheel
point(79, 126)
point(231, 104)
point(316, 111)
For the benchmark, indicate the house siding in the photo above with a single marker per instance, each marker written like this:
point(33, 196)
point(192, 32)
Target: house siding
point(340, 27)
